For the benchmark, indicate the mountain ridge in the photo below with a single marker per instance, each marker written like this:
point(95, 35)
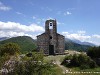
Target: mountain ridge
point(69, 44)
point(83, 43)
point(26, 43)
point(29, 44)
point(3, 38)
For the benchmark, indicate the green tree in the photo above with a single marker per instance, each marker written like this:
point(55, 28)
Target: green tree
point(94, 52)
point(3, 59)
point(74, 61)
point(9, 48)
point(80, 60)
point(33, 66)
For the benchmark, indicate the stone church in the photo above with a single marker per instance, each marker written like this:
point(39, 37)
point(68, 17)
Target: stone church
point(50, 42)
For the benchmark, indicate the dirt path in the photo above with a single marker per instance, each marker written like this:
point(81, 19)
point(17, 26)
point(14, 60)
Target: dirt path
point(61, 66)
point(57, 60)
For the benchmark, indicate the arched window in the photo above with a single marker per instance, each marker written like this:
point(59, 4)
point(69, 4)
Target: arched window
point(50, 25)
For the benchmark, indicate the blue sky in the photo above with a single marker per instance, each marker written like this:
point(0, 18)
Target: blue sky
point(77, 19)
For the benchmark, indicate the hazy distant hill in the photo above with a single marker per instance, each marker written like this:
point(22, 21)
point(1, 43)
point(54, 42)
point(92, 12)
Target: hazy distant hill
point(83, 43)
point(26, 43)
point(69, 44)
point(3, 38)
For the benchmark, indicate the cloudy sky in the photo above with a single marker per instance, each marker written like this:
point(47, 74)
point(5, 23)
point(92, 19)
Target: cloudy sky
point(76, 19)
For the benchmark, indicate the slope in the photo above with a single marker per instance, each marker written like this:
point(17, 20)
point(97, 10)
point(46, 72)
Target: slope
point(69, 44)
point(26, 43)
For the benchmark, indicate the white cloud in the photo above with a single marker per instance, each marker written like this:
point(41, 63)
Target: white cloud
point(3, 7)
point(46, 9)
point(19, 13)
point(41, 20)
point(81, 35)
point(19, 27)
point(12, 29)
point(34, 17)
point(71, 9)
point(48, 18)
point(49, 9)
point(14, 34)
point(96, 36)
point(82, 32)
point(60, 23)
point(67, 13)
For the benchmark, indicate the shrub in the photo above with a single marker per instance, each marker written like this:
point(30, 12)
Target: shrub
point(84, 66)
point(94, 52)
point(9, 48)
point(80, 60)
point(33, 66)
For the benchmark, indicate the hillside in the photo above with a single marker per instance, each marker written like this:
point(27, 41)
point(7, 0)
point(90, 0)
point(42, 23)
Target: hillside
point(69, 44)
point(83, 43)
point(26, 43)
point(3, 38)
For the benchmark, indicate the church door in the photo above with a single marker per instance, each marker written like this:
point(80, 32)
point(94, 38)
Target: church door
point(51, 49)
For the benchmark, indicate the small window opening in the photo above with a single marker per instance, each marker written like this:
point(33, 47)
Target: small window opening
point(50, 25)
point(50, 37)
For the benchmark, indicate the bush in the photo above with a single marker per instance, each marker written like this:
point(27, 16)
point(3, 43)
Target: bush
point(33, 66)
point(74, 61)
point(81, 60)
point(92, 64)
point(3, 59)
point(84, 66)
point(94, 52)
point(9, 48)
point(64, 62)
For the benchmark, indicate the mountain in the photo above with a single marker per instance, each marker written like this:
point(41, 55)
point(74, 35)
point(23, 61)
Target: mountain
point(71, 45)
point(26, 43)
point(3, 38)
point(88, 43)
point(83, 43)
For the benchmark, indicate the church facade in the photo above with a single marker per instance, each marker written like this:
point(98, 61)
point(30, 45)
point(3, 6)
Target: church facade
point(50, 42)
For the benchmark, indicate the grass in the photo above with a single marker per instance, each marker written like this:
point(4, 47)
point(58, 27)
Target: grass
point(84, 72)
point(54, 58)
point(59, 70)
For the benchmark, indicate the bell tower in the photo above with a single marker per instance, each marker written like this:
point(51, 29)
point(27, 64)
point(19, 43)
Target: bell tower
point(51, 30)
point(51, 25)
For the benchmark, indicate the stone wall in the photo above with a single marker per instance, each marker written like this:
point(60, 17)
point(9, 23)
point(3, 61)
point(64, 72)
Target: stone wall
point(51, 37)
point(42, 43)
point(61, 44)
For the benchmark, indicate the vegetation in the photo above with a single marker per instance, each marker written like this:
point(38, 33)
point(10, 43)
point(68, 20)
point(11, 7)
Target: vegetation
point(3, 59)
point(81, 60)
point(9, 48)
point(35, 63)
point(34, 66)
point(26, 43)
point(87, 71)
point(70, 45)
point(94, 52)
point(6, 50)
